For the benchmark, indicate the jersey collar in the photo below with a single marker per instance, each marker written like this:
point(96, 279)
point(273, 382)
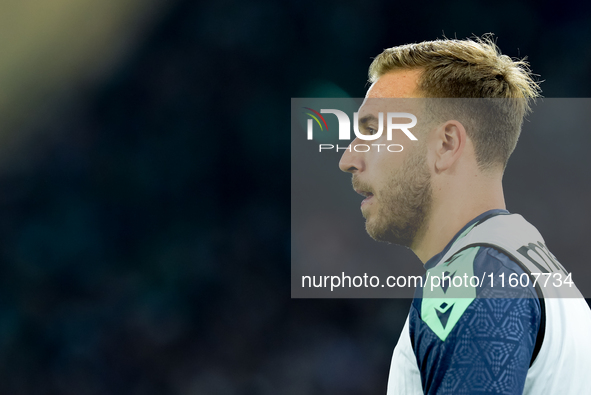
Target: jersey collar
point(490, 213)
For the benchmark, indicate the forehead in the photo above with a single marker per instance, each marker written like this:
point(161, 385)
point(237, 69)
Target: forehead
point(398, 84)
point(395, 84)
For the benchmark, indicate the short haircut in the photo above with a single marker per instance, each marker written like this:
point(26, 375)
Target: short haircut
point(470, 69)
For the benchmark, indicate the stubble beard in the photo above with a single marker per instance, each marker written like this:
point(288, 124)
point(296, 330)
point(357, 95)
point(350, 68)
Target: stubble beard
point(404, 203)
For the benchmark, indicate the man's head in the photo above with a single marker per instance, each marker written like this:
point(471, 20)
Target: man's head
point(467, 69)
point(459, 140)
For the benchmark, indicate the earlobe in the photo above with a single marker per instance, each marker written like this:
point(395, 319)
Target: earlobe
point(451, 140)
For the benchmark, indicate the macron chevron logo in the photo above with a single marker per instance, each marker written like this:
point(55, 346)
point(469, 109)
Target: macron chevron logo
point(444, 314)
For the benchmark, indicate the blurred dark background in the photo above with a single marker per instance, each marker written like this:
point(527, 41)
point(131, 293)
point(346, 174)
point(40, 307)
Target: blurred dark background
point(144, 186)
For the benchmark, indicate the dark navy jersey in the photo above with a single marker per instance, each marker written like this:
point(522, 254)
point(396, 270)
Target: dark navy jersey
point(483, 328)
point(481, 343)
point(488, 350)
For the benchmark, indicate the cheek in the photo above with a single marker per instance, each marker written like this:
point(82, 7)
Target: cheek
point(385, 161)
point(385, 169)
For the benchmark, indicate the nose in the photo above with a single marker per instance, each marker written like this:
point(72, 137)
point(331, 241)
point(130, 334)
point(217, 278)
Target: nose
point(352, 161)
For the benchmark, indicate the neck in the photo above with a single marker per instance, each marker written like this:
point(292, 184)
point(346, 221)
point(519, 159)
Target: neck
point(452, 209)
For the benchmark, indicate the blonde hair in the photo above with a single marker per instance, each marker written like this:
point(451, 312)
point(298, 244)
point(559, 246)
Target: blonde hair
point(470, 69)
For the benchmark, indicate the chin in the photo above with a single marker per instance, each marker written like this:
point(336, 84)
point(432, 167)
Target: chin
point(386, 235)
point(392, 232)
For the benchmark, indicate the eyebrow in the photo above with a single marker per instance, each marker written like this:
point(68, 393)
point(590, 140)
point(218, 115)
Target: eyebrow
point(368, 118)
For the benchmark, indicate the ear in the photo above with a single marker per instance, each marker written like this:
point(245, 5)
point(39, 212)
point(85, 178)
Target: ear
point(450, 141)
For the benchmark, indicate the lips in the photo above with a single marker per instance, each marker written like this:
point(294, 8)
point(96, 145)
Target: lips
point(368, 196)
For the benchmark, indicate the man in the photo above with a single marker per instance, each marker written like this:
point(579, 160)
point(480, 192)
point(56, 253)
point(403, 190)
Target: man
point(443, 198)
